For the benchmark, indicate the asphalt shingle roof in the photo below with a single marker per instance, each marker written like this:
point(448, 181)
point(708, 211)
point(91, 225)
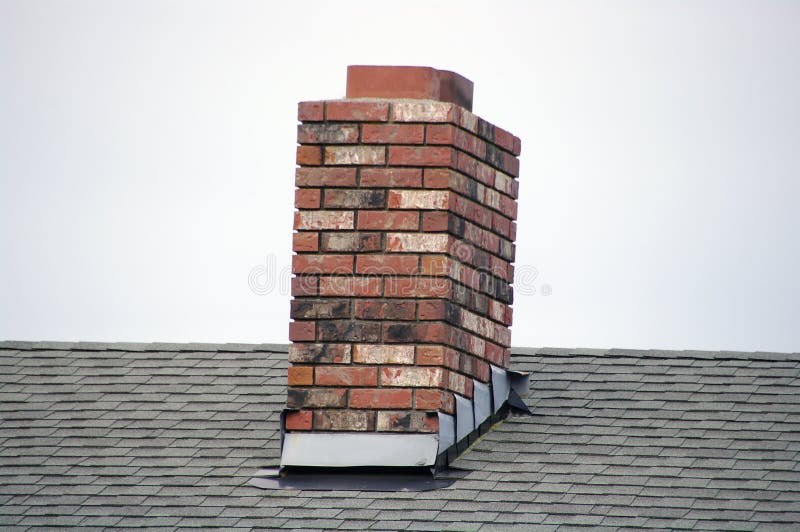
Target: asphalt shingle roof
point(165, 435)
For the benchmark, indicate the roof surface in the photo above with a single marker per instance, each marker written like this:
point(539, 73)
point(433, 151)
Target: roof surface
point(158, 435)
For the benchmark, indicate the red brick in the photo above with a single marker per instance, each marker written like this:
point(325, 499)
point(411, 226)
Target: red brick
point(392, 134)
point(517, 146)
point(391, 177)
point(305, 285)
point(313, 264)
point(440, 134)
point(305, 242)
point(301, 375)
point(419, 83)
point(435, 221)
point(417, 287)
point(350, 286)
point(387, 264)
point(358, 111)
point(309, 155)
point(435, 265)
point(311, 111)
point(430, 355)
point(380, 398)
point(504, 139)
point(397, 221)
point(301, 420)
point(509, 207)
point(306, 198)
point(349, 331)
point(307, 309)
point(421, 156)
point(346, 376)
point(431, 310)
point(437, 178)
point(327, 134)
point(302, 331)
point(325, 177)
point(381, 309)
point(432, 399)
point(416, 377)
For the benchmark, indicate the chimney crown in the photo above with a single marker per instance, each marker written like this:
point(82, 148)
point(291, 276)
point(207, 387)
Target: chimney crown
point(415, 82)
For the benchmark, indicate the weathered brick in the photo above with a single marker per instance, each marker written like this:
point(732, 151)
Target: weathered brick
point(305, 309)
point(327, 134)
point(326, 353)
point(325, 177)
point(418, 242)
point(391, 177)
point(346, 376)
point(355, 199)
point(420, 111)
point(309, 155)
point(351, 242)
point(407, 421)
point(314, 263)
point(300, 375)
point(419, 199)
point(393, 134)
point(428, 332)
point(349, 420)
point(311, 111)
point(302, 331)
point(305, 242)
point(381, 309)
point(365, 155)
point(299, 420)
point(349, 331)
point(504, 139)
point(350, 286)
point(306, 198)
point(412, 376)
point(432, 399)
point(383, 354)
point(316, 397)
point(315, 220)
point(417, 287)
point(356, 111)
point(388, 220)
point(305, 285)
point(387, 264)
point(421, 156)
point(380, 398)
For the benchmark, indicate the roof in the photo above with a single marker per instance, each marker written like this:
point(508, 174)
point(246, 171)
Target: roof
point(166, 435)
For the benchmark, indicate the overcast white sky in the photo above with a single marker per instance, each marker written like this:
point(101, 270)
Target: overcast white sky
point(147, 156)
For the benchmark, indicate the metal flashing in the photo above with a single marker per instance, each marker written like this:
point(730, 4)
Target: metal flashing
point(481, 402)
point(447, 432)
point(500, 386)
point(465, 419)
point(348, 449)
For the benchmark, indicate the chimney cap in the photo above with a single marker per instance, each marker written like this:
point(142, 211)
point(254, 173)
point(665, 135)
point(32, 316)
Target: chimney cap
point(416, 82)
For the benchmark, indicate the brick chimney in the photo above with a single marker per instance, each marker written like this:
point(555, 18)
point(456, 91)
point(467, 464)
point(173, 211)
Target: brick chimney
point(404, 247)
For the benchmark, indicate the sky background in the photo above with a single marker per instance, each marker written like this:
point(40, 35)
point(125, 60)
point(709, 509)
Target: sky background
point(147, 161)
